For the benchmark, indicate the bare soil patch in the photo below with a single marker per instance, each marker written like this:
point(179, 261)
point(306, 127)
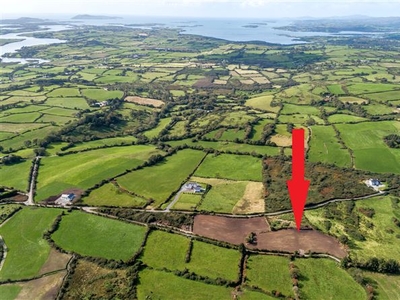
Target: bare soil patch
point(235, 231)
point(291, 240)
point(55, 261)
point(281, 140)
point(252, 200)
point(144, 101)
point(231, 230)
point(45, 288)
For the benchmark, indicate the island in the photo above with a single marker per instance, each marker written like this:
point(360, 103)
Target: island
point(92, 17)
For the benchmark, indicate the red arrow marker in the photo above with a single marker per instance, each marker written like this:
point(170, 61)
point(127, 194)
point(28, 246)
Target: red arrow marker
point(298, 186)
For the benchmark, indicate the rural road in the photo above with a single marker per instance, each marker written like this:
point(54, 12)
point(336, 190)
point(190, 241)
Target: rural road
point(91, 209)
point(176, 198)
point(32, 183)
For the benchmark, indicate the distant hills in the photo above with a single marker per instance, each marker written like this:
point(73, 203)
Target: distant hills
point(22, 20)
point(92, 17)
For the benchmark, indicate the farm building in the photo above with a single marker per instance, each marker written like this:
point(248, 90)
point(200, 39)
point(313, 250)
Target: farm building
point(67, 197)
point(374, 182)
point(194, 187)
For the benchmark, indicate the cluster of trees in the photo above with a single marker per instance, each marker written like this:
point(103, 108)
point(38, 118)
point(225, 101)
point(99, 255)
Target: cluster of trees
point(392, 140)
point(11, 159)
point(174, 219)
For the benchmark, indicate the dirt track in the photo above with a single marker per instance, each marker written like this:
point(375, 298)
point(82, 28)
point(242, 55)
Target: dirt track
point(235, 231)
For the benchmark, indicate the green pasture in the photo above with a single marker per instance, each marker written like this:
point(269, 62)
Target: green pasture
point(229, 166)
point(110, 195)
point(324, 277)
point(96, 236)
point(9, 292)
point(64, 92)
point(167, 176)
point(27, 251)
point(222, 197)
point(20, 173)
point(263, 103)
point(187, 201)
point(370, 151)
point(163, 285)
point(84, 170)
point(269, 273)
point(325, 147)
point(101, 94)
point(74, 103)
point(343, 118)
point(165, 250)
point(388, 286)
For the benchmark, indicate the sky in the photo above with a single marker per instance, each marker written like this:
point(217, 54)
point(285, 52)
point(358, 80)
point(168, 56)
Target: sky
point(204, 8)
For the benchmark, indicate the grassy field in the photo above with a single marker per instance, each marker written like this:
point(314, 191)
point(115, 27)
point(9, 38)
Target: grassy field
point(370, 151)
point(342, 118)
point(9, 292)
point(103, 142)
point(223, 196)
point(101, 94)
point(323, 277)
point(156, 130)
point(231, 167)
point(167, 175)
point(110, 195)
point(269, 273)
point(161, 285)
point(92, 235)
point(299, 109)
point(187, 201)
point(27, 251)
point(88, 168)
point(263, 102)
point(388, 286)
point(325, 147)
point(72, 102)
point(20, 172)
point(165, 250)
point(212, 261)
point(227, 146)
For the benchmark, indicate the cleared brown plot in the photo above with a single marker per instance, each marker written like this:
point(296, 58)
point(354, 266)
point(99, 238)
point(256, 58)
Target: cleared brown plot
point(45, 288)
point(56, 261)
point(252, 200)
point(231, 230)
point(144, 101)
point(291, 240)
point(235, 231)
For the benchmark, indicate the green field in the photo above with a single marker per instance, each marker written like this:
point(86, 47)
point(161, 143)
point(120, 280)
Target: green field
point(128, 140)
point(223, 196)
point(165, 250)
point(167, 175)
point(27, 251)
point(9, 292)
point(187, 201)
point(101, 94)
point(342, 118)
point(87, 168)
point(110, 195)
point(263, 103)
point(20, 172)
point(325, 147)
point(269, 273)
point(215, 262)
point(229, 166)
point(161, 285)
point(75, 103)
point(362, 88)
point(299, 109)
point(370, 151)
point(156, 130)
point(64, 92)
point(96, 236)
point(388, 285)
point(323, 277)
